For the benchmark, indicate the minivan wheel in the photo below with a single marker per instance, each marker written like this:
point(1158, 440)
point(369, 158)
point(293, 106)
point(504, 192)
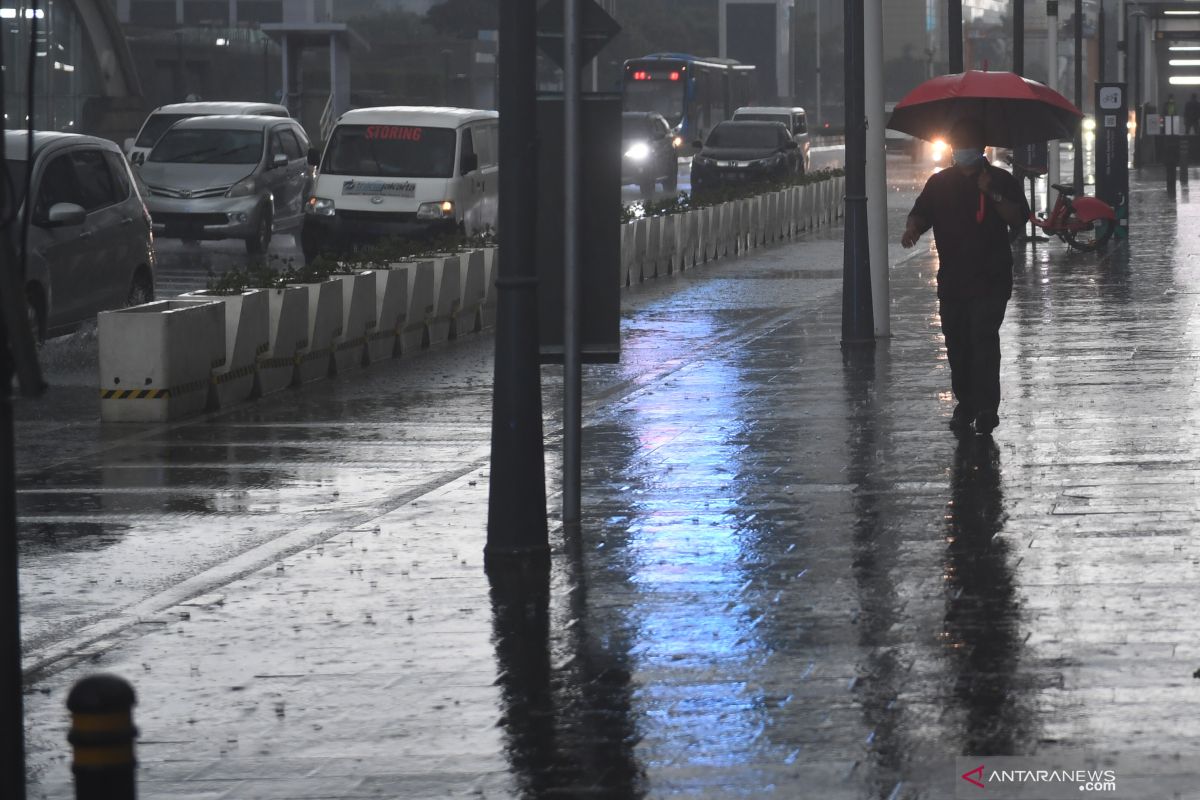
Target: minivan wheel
point(141, 290)
point(257, 244)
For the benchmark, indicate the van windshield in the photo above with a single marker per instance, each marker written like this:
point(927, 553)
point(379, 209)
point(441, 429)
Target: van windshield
point(156, 125)
point(208, 146)
point(752, 117)
point(392, 151)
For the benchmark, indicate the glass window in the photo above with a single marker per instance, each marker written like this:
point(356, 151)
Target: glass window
point(155, 126)
point(290, 145)
point(748, 136)
point(276, 147)
point(799, 125)
point(208, 146)
point(400, 151)
point(57, 185)
point(486, 145)
point(120, 174)
point(663, 97)
point(96, 185)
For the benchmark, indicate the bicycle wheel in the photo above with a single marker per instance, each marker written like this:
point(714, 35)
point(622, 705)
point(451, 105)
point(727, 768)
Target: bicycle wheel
point(1088, 236)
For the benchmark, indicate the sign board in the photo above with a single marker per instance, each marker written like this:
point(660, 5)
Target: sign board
point(1112, 151)
point(596, 29)
point(599, 228)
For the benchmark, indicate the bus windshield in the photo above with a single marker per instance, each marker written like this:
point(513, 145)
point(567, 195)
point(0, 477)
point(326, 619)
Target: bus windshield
point(664, 97)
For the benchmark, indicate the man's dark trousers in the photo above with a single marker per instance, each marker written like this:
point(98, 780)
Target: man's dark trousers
point(972, 331)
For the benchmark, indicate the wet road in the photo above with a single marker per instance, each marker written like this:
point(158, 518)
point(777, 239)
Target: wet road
point(792, 580)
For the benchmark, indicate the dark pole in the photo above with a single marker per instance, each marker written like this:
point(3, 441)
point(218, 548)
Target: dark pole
point(1018, 20)
point(858, 321)
point(12, 711)
point(517, 489)
point(954, 30)
point(1137, 96)
point(1102, 75)
point(1079, 95)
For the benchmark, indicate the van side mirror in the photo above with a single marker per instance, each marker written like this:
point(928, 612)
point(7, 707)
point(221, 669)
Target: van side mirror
point(63, 215)
point(314, 158)
point(128, 145)
point(470, 163)
point(279, 160)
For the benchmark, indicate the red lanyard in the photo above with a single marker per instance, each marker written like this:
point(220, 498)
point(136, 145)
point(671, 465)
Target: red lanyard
point(982, 209)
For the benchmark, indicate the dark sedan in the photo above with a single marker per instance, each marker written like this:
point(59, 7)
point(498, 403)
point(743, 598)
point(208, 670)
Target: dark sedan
point(745, 152)
point(648, 152)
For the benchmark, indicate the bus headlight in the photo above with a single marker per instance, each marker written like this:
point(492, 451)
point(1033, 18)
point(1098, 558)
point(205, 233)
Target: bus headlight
point(639, 152)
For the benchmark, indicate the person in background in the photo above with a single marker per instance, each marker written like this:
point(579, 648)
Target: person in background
point(970, 208)
point(1191, 115)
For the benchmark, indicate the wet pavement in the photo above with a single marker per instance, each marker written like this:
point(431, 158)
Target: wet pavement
point(791, 581)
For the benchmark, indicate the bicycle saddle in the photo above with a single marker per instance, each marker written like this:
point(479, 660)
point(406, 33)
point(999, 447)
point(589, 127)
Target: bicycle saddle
point(1067, 190)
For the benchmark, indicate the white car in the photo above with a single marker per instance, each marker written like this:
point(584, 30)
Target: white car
point(162, 118)
point(90, 243)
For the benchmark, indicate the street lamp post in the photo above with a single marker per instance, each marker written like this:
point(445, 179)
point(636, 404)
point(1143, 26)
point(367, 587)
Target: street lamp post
point(858, 324)
point(954, 30)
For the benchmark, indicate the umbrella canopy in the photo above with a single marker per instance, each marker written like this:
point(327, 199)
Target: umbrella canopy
point(1014, 110)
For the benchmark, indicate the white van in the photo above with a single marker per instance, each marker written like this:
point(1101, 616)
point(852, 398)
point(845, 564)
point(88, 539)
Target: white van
point(403, 171)
point(163, 117)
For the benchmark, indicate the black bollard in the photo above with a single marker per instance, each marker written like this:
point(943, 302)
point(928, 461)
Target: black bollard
point(102, 734)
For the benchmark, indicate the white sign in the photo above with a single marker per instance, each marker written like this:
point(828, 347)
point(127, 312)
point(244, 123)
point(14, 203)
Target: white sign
point(1110, 97)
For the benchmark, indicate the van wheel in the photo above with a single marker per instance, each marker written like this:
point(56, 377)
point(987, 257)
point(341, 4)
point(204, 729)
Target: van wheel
point(257, 244)
point(141, 290)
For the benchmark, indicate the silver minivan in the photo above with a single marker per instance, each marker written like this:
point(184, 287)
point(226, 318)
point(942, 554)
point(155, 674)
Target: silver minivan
point(229, 177)
point(90, 245)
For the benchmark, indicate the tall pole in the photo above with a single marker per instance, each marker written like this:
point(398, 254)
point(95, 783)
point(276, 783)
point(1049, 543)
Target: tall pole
point(1102, 54)
point(1052, 155)
point(1079, 95)
point(954, 30)
point(12, 718)
point(1018, 34)
point(876, 167)
point(817, 27)
point(572, 367)
point(517, 489)
point(858, 327)
point(1123, 46)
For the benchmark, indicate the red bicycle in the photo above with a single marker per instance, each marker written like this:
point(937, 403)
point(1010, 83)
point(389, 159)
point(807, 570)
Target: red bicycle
point(1085, 223)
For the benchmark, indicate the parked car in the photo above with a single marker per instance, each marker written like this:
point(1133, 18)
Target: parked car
point(744, 152)
point(90, 244)
point(233, 177)
point(794, 117)
point(648, 152)
point(403, 171)
point(162, 118)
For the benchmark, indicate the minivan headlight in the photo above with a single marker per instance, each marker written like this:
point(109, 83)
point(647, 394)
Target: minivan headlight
point(319, 206)
point(640, 151)
point(243, 188)
point(442, 209)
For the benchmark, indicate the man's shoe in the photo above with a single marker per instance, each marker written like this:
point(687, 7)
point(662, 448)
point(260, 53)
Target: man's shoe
point(986, 422)
point(960, 420)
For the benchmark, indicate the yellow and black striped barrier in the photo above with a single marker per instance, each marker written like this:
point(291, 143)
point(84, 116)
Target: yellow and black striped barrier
point(153, 394)
point(102, 736)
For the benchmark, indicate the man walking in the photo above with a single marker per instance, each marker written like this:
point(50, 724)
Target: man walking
point(970, 208)
point(1191, 115)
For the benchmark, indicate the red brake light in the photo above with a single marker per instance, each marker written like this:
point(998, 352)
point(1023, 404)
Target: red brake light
point(641, 75)
point(674, 76)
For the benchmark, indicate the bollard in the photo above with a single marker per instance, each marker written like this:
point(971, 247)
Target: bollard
point(1171, 160)
point(102, 734)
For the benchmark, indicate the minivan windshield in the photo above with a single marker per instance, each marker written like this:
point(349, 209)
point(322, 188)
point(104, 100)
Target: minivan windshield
point(638, 127)
point(208, 146)
point(754, 136)
point(391, 151)
point(156, 125)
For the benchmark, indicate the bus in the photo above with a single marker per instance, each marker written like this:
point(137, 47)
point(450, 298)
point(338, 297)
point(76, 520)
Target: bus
point(693, 94)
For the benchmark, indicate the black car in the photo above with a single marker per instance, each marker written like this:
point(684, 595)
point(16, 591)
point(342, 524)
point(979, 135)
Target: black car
point(648, 152)
point(745, 152)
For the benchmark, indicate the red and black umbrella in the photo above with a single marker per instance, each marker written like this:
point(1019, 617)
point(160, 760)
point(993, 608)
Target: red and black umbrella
point(1013, 110)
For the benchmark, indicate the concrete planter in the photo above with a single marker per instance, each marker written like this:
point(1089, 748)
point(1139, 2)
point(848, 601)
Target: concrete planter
point(650, 266)
point(358, 321)
point(287, 330)
point(688, 226)
point(641, 241)
point(247, 339)
point(422, 294)
point(315, 361)
point(670, 243)
point(447, 277)
point(628, 235)
point(474, 293)
point(711, 226)
point(489, 277)
point(157, 359)
point(391, 310)
point(730, 213)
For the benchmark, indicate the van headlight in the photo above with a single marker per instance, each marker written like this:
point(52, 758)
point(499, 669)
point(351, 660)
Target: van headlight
point(319, 206)
point(442, 209)
point(640, 151)
point(243, 188)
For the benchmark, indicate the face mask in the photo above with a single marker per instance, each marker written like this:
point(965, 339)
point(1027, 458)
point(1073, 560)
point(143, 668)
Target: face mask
point(968, 156)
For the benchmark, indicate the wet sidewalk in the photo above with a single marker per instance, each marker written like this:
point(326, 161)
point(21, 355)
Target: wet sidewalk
point(792, 579)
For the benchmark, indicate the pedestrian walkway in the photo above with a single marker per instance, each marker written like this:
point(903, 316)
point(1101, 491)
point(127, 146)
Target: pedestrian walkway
point(791, 581)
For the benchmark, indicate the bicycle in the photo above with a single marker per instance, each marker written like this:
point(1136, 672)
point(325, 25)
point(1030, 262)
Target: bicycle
point(1085, 224)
